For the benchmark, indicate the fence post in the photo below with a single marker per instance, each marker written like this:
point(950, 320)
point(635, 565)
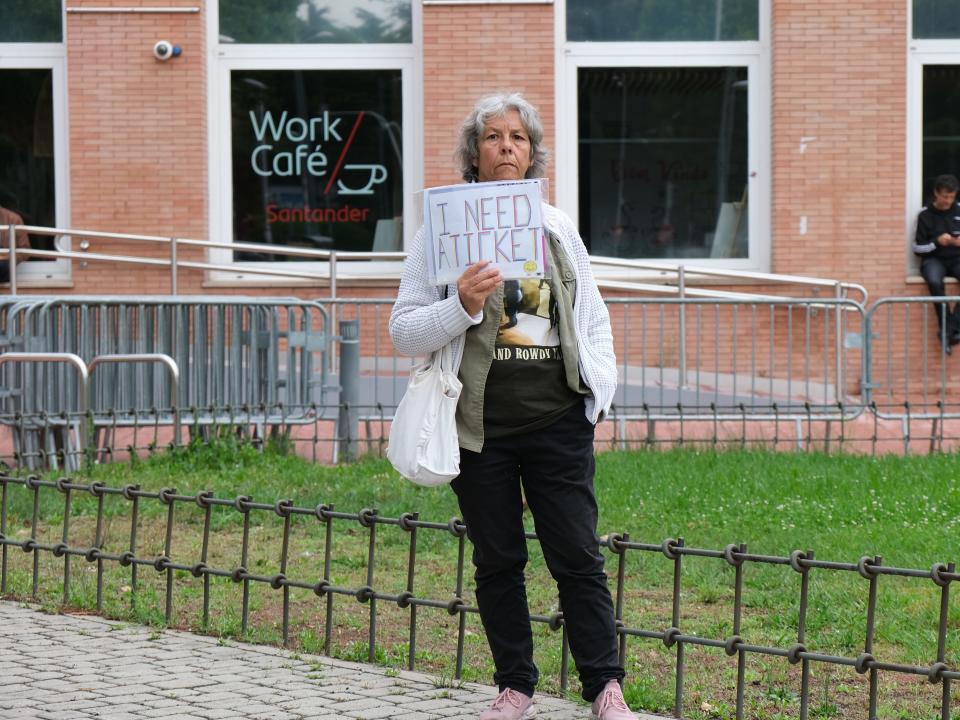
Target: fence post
point(332, 270)
point(682, 294)
point(12, 260)
point(348, 421)
point(838, 332)
point(173, 266)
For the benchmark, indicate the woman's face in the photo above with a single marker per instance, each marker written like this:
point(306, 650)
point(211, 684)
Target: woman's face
point(504, 149)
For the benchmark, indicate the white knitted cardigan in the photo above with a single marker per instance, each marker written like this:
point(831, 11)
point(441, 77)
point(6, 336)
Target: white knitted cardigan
point(423, 321)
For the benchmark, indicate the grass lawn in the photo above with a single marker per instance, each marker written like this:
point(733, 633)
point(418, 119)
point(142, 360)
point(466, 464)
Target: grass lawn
point(904, 509)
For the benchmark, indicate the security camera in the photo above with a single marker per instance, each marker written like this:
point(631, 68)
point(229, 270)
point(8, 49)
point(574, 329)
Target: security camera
point(164, 50)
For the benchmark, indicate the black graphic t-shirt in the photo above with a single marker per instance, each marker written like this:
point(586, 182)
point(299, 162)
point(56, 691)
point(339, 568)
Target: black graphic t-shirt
point(526, 387)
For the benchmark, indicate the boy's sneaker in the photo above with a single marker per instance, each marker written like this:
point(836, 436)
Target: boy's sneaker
point(610, 704)
point(510, 705)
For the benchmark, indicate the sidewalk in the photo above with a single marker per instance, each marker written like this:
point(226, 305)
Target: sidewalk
point(62, 667)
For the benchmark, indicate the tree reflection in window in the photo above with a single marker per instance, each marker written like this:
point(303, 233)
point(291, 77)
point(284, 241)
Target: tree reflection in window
point(31, 21)
point(315, 21)
point(662, 20)
point(933, 19)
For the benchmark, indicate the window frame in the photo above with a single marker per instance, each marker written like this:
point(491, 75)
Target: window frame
point(753, 55)
point(920, 54)
point(52, 57)
point(223, 58)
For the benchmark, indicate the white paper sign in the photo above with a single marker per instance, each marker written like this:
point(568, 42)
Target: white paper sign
point(497, 221)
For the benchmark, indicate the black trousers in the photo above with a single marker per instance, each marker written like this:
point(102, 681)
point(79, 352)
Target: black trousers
point(934, 270)
point(555, 467)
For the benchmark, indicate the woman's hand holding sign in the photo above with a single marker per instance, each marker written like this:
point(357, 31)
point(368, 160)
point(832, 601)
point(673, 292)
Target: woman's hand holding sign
point(475, 285)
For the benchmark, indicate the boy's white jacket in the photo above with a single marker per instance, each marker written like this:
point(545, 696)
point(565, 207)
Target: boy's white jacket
point(423, 320)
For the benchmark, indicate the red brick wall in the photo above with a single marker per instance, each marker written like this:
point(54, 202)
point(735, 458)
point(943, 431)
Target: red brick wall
point(839, 78)
point(138, 129)
point(138, 134)
point(473, 50)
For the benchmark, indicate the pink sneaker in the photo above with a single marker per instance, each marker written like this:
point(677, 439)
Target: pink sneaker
point(510, 705)
point(610, 705)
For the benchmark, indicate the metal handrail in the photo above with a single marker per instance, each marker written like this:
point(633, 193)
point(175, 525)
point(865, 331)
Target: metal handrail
point(688, 271)
point(682, 273)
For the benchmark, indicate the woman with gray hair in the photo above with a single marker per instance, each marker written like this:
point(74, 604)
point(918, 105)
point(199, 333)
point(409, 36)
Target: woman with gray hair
point(538, 371)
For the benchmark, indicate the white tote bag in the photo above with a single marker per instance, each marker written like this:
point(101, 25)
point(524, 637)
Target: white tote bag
point(423, 444)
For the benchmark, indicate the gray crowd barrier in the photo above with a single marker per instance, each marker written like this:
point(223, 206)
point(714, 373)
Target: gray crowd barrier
point(700, 369)
point(264, 357)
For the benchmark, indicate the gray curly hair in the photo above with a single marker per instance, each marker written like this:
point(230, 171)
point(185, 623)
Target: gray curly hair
point(467, 153)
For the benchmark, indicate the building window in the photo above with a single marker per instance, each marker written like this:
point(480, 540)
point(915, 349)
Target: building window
point(317, 159)
point(663, 161)
point(315, 106)
point(32, 21)
point(935, 19)
point(315, 21)
point(663, 129)
point(27, 168)
point(662, 20)
point(941, 125)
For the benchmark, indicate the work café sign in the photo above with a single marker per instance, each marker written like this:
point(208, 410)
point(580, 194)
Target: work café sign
point(317, 160)
point(501, 222)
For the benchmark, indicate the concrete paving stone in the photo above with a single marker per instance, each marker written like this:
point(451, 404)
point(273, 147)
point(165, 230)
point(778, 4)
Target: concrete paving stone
point(220, 696)
point(11, 704)
point(125, 707)
point(391, 695)
point(55, 685)
point(11, 678)
point(220, 678)
point(385, 711)
point(220, 714)
point(92, 678)
point(156, 702)
point(238, 687)
point(306, 706)
point(127, 689)
point(253, 707)
point(45, 675)
point(338, 696)
point(181, 683)
point(167, 712)
point(237, 704)
point(187, 677)
point(383, 691)
point(134, 696)
point(74, 703)
point(256, 691)
point(438, 705)
point(20, 689)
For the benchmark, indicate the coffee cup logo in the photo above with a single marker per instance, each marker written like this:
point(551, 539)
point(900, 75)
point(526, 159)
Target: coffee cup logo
point(376, 175)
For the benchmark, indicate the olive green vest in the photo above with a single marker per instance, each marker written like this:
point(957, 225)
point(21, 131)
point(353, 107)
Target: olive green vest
point(481, 339)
